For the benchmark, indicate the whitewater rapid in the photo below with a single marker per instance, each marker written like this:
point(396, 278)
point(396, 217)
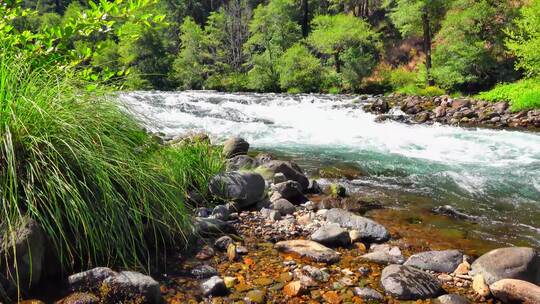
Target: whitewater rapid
point(493, 173)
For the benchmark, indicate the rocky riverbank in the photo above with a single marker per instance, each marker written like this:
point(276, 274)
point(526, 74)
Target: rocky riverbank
point(277, 236)
point(466, 112)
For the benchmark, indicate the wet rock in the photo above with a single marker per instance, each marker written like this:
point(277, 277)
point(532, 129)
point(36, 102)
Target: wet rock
point(368, 294)
point(421, 117)
point(283, 206)
point(331, 235)
point(294, 289)
point(241, 250)
point(369, 230)
point(500, 107)
point(451, 299)
point(235, 146)
point(214, 286)
point(133, 286)
point(80, 298)
point(479, 285)
point(439, 111)
point(380, 106)
point(305, 280)
point(203, 272)
point(452, 212)
point(230, 281)
point(263, 158)
point(279, 178)
point(463, 268)
point(209, 226)
point(520, 263)
point(310, 250)
point(242, 162)
point(271, 214)
point(232, 254)
point(220, 212)
point(223, 243)
point(313, 187)
point(409, 283)
point(384, 255)
point(515, 291)
point(289, 190)
point(89, 280)
point(316, 273)
point(438, 261)
point(29, 245)
point(203, 212)
point(291, 171)
point(245, 188)
point(256, 296)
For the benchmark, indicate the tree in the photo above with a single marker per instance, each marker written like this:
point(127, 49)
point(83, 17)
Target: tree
point(524, 39)
point(340, 35)
point(418, 18)
point(272, 31)
point(189, 66)
point(299, 70)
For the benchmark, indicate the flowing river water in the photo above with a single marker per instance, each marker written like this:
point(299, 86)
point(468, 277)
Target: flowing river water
point(491, 175)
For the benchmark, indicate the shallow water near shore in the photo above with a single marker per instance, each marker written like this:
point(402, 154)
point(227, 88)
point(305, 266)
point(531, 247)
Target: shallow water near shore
point(491, 175)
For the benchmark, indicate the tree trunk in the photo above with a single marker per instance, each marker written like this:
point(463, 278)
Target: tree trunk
point(427, 46)
point(305, 18)
point(337, 62)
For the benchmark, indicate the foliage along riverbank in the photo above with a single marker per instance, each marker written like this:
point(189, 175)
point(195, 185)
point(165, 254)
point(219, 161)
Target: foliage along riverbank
point(412, 47)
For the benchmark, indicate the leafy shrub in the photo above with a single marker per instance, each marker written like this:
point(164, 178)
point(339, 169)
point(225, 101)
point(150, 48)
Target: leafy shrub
point(401, 77)
point(414, 90)
point(522, 95)
point(299, 70)
point(524, 39)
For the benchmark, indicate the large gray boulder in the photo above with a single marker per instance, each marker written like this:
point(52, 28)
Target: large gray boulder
point(520, 263)
point(290, 190)
point(245, 188)
point(515, 291)
point(369, 230)
point(291, 171)
point(331, 235)
point(23, 254)
point(439, 261)
point(235, 146)
point(409, 283)
point(130, 286)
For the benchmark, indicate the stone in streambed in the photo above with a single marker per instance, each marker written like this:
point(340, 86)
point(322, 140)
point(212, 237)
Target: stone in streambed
point(203, 272)
point(209, 226)
point(479, 285)
point(520, 263)
point(89, 280)
point(242, 162)
point(368, 294)
point(283, 206)
point(220, 212)
point(291, 171)
point(235, 146)
point(223, 243)
point(130, 286)
point(294, 289)
point(384, 255)
point(438, 261)
point(369, 230)
point(245, 188)
point(310, 250)
point(214, 286)
point(515, 291)
point(409, 283)
point(256, 296)
point(80, 298)
point(271, 214)
point(289, 190)
point(451, 299)
point(331, 235)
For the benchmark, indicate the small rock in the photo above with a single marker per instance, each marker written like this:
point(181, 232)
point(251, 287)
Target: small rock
point(214, 287)
point(409, 283)
point(89, 280)
point(331, 235)
point(223, 243)
point(129, 286)
point(443, 277)
point(438, 261)
point(203, 212)
point(205, 253)
point(463, 268)
point(479, 285)
point(242, 162)
point(451, 299)
point(208, 226)
point(306, 219)
point(294, 289)
point(384, 254)
point(316, 273)
point(230, 281)
point(355, 236)
point(203, 272)
point(289, 190)
point(283, 206)
point(232, 255)
point(310, 250)
point(256, 296)
point(241, 250)
point(305, 280)
point(235, 146)
point(220, 212)
point(370, 230)
point(279, 178)
point(271, 214)
point(368, 294)
point(510, 291)
point(291, 171)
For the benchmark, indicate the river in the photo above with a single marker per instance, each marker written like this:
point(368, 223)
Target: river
point(492, 175)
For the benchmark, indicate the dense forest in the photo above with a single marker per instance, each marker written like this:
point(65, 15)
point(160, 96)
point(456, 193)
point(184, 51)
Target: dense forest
point(314, 45)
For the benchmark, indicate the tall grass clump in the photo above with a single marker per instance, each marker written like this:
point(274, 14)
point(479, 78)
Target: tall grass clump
point(80, 166)
point(522, 95)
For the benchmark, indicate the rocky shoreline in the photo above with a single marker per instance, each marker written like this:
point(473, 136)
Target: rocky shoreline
point(277, 236)
point(467, 112)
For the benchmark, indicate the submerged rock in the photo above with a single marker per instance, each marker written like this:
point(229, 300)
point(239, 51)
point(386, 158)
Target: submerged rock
point(515, 291)
point(214, 286)
point(439, 261)
point(245, 188)
point(409, 283)
point(310, 250)
point(451, 299)
point(369, 230)
point(223, 243)
point(520, 263)
point(80, 298)
point(331, 235)
point(368, 294)
point(235, 146)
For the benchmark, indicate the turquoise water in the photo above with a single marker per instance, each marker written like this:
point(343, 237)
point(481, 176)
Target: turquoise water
point(492, 174)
